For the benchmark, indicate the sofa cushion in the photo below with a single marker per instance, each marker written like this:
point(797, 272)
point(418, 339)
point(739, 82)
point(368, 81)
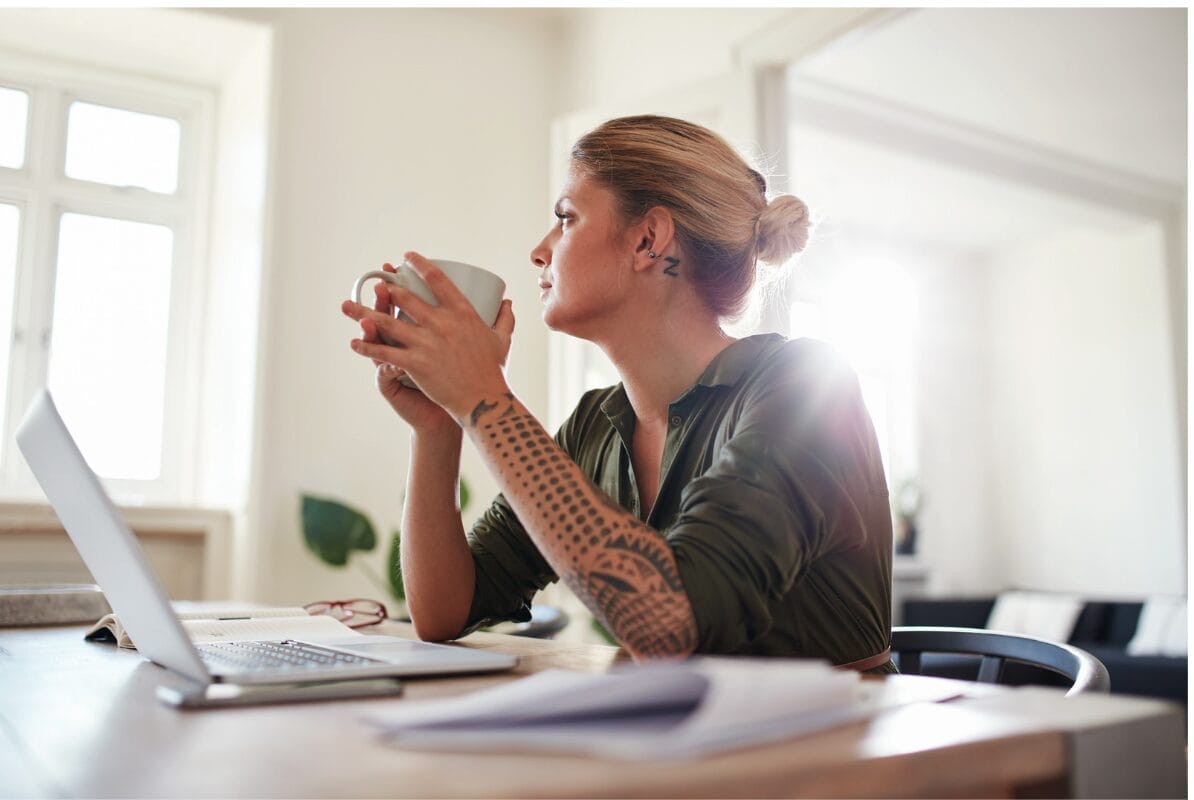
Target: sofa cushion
point(1092, 622)
point(1121, 624)
point(1045, 615)
point(1162, 630)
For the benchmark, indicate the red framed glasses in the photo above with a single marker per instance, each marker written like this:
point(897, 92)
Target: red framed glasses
point(356, 613)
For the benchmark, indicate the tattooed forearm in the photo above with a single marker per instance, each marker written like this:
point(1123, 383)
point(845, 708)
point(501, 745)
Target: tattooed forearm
point(482, 408)
point(619, 567)
point(642, 548)
point(672, 263)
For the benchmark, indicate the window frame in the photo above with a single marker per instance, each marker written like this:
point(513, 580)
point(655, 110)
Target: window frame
point(43, 193)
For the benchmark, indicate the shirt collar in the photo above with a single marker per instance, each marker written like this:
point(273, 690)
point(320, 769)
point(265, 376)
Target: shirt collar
point(728, 366)
point(726, 369)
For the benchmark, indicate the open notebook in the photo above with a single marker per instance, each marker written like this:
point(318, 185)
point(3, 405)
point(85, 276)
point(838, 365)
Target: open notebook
point(222, 622)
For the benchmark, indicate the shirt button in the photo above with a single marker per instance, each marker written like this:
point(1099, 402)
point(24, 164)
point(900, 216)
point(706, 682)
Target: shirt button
point(676, 420)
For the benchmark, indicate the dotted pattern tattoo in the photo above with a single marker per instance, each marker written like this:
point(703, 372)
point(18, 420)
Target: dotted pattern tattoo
point(619, 567)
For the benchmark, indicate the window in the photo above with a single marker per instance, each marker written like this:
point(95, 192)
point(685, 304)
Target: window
point(14, 116)
point(101, 207)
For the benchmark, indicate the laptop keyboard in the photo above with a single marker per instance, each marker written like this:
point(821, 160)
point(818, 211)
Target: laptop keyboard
point(285, 655)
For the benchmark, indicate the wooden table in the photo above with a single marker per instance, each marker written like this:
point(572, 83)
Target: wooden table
point(81, 719)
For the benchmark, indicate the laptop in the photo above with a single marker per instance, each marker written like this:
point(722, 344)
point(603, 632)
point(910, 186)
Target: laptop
point(118, 564)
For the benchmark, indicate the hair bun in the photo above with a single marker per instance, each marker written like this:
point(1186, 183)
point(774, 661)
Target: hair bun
point(783, 229)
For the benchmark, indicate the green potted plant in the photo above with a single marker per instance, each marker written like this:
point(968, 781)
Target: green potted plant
point(333, 531)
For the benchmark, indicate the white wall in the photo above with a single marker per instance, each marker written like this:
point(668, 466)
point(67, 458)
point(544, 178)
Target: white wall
point(394, 129)
point(233, 276)
point(613, 55)
point(1085, 474)
point(958, 543)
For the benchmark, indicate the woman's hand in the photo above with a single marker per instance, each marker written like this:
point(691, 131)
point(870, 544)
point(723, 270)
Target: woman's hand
point(453, 355)
point(410, 404)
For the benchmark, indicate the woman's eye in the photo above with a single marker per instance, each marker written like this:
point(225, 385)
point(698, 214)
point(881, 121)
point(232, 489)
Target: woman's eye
point(563, 218)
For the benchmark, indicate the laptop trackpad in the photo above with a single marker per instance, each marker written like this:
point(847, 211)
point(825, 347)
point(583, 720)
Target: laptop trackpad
point(393, 649)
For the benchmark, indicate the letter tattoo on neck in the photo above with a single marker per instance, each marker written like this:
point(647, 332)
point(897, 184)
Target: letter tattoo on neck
point(670, 269)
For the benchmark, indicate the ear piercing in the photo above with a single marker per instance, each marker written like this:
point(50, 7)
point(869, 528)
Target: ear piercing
point(651, 254)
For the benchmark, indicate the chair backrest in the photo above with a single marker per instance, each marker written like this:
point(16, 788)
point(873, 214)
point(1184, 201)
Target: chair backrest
point(997, 648)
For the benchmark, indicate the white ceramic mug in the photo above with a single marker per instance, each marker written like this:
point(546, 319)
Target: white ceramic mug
point(483, 289)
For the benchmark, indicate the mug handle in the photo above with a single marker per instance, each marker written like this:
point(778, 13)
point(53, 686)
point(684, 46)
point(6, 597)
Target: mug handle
point(395, 278)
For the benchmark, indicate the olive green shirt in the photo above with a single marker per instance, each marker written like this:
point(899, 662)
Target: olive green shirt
point(772, 498)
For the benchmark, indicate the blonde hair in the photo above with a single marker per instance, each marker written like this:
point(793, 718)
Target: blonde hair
point(724, 222)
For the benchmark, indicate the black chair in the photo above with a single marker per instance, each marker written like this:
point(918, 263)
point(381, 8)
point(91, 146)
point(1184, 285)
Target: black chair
point(545, 623)
point(1086, 672)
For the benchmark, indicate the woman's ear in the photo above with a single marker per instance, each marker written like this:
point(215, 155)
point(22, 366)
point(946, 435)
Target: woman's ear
point(655, 237)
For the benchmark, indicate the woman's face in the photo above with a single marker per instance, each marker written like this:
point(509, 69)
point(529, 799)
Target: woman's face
point(580, 279)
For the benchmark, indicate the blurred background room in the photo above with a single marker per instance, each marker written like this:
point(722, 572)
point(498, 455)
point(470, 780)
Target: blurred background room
point(1001, 204)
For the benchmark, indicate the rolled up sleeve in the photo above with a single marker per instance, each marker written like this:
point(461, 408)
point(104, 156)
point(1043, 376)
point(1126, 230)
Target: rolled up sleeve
point(509, 569)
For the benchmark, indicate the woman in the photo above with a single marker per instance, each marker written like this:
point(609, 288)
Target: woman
point(726, 497)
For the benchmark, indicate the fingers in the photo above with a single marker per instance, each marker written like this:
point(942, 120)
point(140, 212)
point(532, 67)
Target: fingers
point(360, 312)
point(387, 299)
point(504, 327)
point(370, 334)
point(381, 298)
point(440, 285)
point(389, 378)
point(410, 303)
point(380, 353)
point(377, 326)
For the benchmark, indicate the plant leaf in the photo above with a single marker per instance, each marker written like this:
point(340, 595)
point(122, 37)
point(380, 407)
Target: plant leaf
point(394, 568)
point(601, 631)
point(332, 530)
point(464, 495)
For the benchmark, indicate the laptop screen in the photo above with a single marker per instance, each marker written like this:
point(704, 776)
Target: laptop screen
point(104, 540)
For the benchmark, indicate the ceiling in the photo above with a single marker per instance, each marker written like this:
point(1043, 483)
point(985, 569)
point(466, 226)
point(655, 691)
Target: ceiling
point(981, 128)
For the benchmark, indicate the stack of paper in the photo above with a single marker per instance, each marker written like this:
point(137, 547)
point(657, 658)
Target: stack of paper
point(652, 711)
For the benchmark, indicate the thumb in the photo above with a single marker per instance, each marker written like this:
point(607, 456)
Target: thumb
point(388, 378)
point(504, 326)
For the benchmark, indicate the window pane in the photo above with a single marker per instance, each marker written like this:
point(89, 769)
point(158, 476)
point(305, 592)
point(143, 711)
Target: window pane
point(122, 148)
point(14, 118)
point(108, 349)
point(10, 225)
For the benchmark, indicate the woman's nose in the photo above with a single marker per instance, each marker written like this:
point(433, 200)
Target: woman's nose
point(541, 254)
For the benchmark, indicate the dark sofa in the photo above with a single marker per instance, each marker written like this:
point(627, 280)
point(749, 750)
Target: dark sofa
point(1103, 629)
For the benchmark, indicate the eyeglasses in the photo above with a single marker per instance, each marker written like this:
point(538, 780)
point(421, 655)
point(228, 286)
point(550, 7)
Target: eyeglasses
point(356, 613)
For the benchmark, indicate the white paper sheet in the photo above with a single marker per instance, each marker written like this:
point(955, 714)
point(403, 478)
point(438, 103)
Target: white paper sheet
point(655, 711)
